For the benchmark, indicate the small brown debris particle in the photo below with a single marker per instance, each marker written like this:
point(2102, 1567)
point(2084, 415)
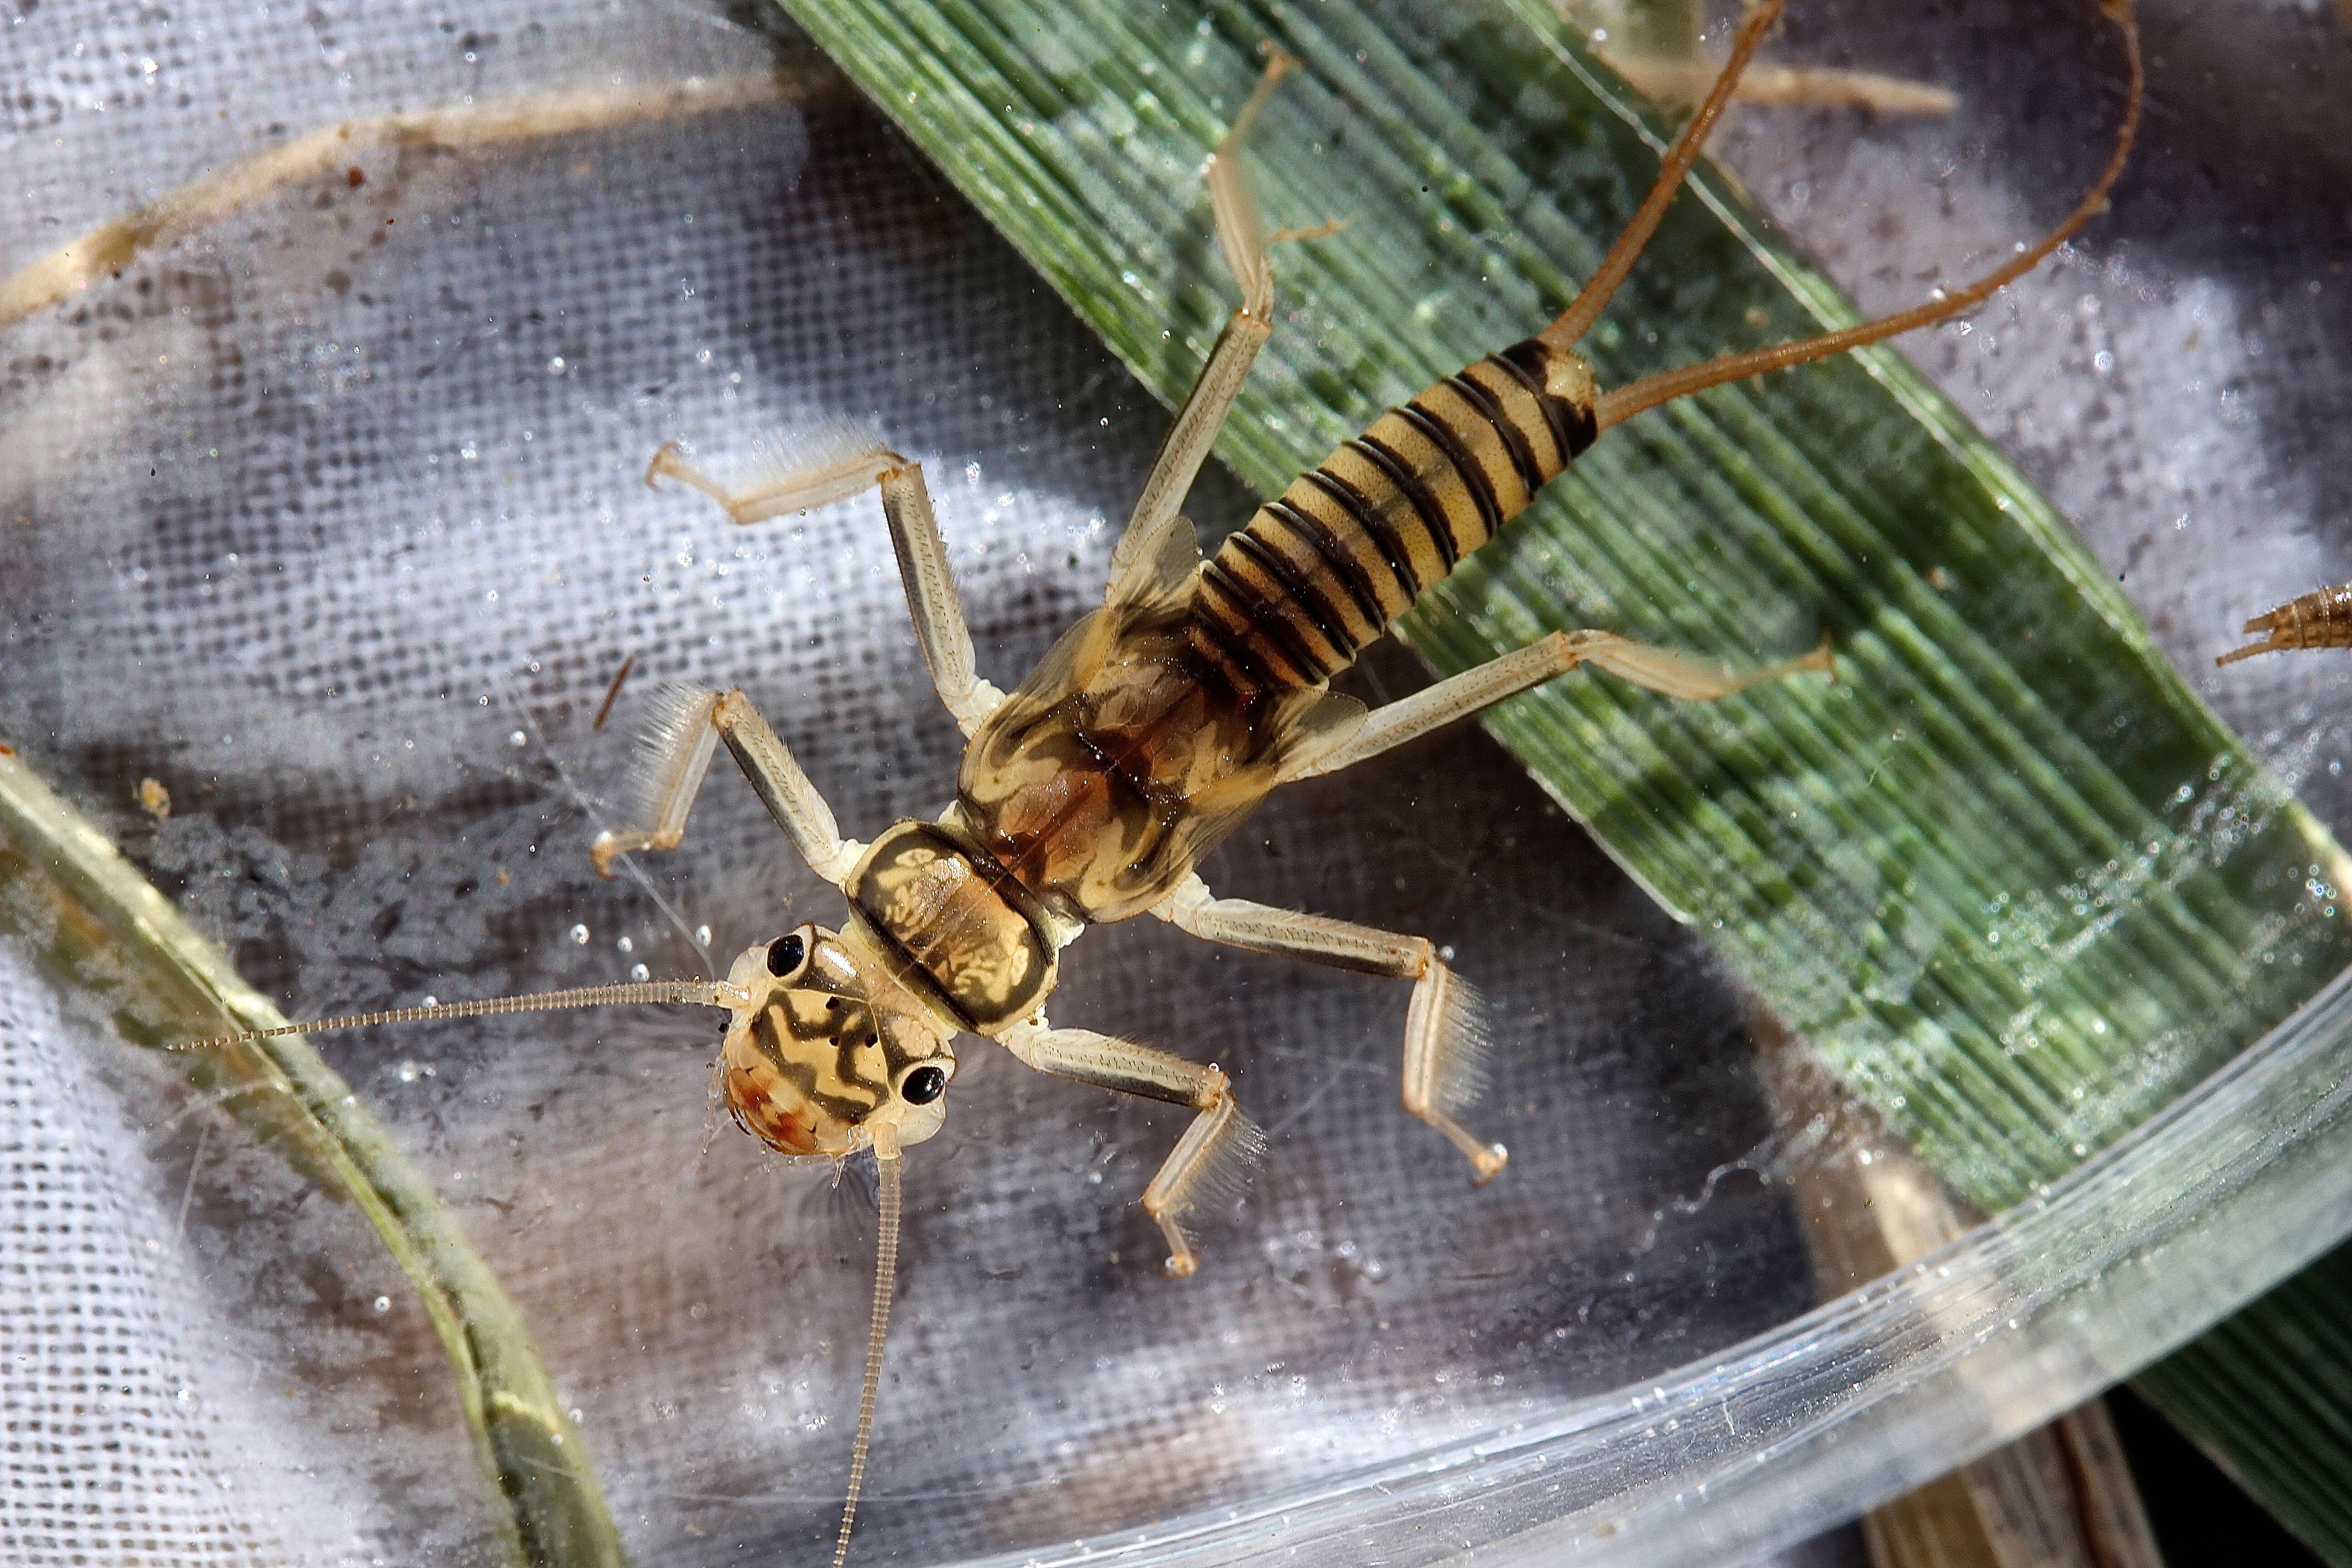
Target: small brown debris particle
point(1940, 580)
point(154, 799)
point(504, 877)
point(612, 693)
point(6, 750)
point(355, 179)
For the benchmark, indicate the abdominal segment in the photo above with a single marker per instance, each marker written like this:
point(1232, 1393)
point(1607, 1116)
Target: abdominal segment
point(1324, 568)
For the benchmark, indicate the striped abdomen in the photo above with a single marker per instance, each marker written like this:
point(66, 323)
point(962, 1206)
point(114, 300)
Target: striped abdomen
point(1322, 570)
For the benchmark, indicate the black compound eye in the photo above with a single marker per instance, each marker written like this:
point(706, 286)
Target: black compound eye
point(785, 954)
point(923, 1086)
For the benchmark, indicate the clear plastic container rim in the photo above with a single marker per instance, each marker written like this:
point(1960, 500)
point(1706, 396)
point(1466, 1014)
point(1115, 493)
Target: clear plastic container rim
point(2228, 1190)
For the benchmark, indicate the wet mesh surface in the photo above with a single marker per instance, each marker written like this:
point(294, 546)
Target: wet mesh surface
point(336, 530)
point(110, 1457)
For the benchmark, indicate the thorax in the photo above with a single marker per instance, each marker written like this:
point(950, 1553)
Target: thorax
point(1124, 758)
point(955, 925)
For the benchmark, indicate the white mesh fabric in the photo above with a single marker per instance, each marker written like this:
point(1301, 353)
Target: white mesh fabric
point(128, 1438)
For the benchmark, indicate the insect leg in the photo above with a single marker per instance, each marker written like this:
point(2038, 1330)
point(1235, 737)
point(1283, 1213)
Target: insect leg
point(931, 600)
point(677, 750)
point(1444, 1031)
point(1682, 675)
point(1242, 240)
point(1216, 1148)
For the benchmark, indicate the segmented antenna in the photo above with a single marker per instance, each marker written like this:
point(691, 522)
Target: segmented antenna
point(703, 992)
point(886, 1271)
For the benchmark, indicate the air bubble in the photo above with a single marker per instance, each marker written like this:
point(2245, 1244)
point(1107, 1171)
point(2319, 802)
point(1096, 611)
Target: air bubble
point(580, 935)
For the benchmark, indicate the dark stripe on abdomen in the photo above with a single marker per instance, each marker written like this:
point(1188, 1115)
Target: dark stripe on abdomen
point(1325, 568)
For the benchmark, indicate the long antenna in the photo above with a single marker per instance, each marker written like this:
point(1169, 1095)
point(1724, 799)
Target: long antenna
point(886, 1271)
point(704, 993)
point(1585, 309)
point(1622, 404)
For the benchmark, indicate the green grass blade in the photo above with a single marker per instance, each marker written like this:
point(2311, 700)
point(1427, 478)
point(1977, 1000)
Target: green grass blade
point(2010, 878)
point(97, 926)
point(2269, 1395)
